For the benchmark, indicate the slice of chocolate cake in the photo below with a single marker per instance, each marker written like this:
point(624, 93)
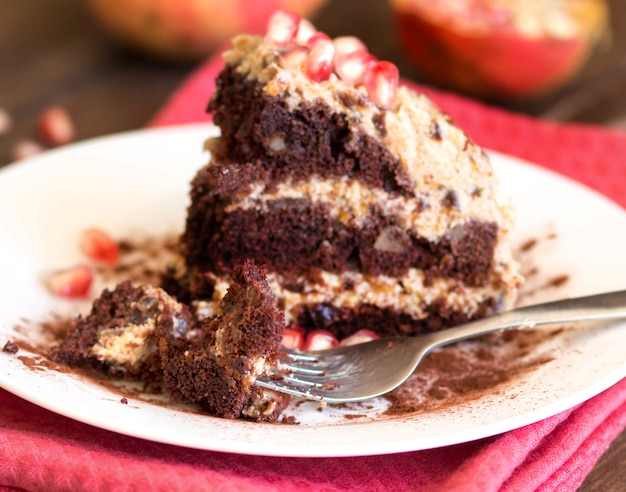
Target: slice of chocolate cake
point(370, 208)
point(218, 367)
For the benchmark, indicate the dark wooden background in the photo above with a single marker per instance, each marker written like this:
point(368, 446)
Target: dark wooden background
point(51, 52)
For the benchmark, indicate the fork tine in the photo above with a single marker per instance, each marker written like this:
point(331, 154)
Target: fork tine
point(296, 369)
point(290, 389)
point(305, 382)
point(299, 356)
point(334, 376)
point(315, 364)
point(320, 390)
point(300, 363)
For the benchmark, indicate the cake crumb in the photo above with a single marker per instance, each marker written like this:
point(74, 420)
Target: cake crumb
point(10, 347)
point(124, 401)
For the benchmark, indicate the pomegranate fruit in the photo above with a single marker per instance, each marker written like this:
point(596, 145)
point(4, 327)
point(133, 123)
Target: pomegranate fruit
point(55, 126)
point(319, 64)
point(188, 30)
point(320, 340)
point(361, 336)
point(25, 148)
point(73, 282)
point(320, 57)
point(499, 49)
point(99, 246)
point(293, 338)
point(282, 28)
point(353, 67)
point(381, 80)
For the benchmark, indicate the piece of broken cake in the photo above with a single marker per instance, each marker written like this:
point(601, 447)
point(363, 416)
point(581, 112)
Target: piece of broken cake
point(140, 332)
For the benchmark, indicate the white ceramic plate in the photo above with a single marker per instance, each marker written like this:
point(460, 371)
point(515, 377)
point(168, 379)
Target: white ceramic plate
point(138, 182)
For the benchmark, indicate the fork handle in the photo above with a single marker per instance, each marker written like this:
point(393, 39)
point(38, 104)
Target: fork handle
point(611, 305)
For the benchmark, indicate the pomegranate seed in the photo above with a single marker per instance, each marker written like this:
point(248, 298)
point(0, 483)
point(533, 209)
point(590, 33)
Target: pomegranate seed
point(316, 38)
point(295, 57)
point(55, 126)
point(282, 28)
point(305, 30)
point(26, 148)
point(320, 340)
point(6, 122)
point(99, 246)
point(353, 67)
point(293, 338)
point(348, 44)
point(382, 82)
point(360, 336)
point(72, 282)
point(319, 64)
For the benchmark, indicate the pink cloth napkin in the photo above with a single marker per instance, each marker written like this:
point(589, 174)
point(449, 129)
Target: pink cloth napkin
point(40, 450)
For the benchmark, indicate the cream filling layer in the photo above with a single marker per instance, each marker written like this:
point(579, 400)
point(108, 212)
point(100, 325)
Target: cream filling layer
point(407, 294)
point(126, 346)
point(350, 202)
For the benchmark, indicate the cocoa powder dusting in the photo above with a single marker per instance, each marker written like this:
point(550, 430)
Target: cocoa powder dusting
point(142, 259)
point(558, 281)
point(528, 245)
point(468, 370)
point(537, 282)
point(41, 363)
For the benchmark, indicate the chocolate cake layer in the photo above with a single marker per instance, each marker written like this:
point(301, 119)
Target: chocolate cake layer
point(342, 321)
point(271, 141)
point(292, 235)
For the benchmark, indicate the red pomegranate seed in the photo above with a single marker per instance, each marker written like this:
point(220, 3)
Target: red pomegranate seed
point(72, 282)
point(320, 340)
point(295, 58)
point(353, 67)
point(360, 336)
point(319, 64)
point(382, 82)
point(26, 148)
point(316, 38)
point(306, 29)
point(293, 338)
point(55, 126)
point(348, 44)
point(282, 28)
point(99, 246)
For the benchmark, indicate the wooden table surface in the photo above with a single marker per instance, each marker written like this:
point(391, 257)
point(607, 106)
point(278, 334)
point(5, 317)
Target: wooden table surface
point(51, 52)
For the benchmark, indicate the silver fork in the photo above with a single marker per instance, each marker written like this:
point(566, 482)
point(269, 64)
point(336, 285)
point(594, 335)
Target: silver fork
point(367, 370)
